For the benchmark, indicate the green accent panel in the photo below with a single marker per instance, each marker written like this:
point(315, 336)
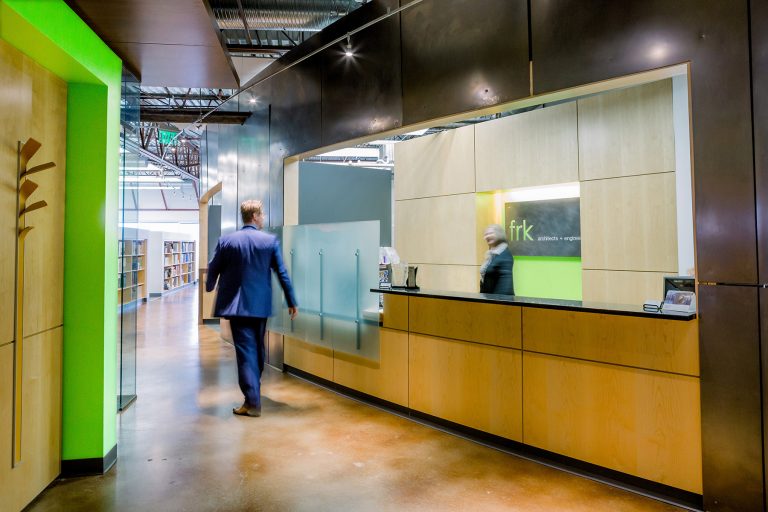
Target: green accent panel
point(51, 34)
point(57, 39)
point(548, 277)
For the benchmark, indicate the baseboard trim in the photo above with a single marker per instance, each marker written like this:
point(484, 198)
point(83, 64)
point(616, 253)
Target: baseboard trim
point(649, 488)
point(88, 467)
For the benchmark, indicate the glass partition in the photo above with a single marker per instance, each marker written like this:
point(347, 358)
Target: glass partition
point(333, 267)
point(131, 251)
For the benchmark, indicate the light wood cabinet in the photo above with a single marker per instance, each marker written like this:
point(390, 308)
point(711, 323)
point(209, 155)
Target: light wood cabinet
point(385, 378)
point(476, 385)
point(640, 422)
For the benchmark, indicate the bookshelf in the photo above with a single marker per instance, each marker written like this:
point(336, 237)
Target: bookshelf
point(178, 264)
point(131, 271)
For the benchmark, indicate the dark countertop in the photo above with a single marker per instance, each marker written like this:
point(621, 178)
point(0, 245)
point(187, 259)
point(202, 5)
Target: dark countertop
point(532, 302)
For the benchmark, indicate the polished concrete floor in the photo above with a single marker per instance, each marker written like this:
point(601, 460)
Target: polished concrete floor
point(180, 447)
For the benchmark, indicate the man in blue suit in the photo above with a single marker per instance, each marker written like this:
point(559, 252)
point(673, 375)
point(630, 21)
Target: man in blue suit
point(242, 263)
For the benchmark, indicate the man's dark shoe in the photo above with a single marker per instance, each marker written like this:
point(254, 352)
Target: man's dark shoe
point(246, 410)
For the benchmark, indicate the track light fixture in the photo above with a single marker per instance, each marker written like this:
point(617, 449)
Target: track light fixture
point(348, 47)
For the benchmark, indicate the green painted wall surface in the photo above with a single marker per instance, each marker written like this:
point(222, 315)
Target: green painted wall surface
point(50, 33)
point(548, 277)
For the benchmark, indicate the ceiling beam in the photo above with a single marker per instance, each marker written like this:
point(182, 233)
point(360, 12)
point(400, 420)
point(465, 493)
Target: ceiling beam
point(245, 22)
point(191, 115)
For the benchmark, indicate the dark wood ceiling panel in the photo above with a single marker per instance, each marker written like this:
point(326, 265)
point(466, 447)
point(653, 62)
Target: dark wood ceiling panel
point(362, 93)
point(172, 43)
point(180, 66)
point(296, 112)
point(463, 55)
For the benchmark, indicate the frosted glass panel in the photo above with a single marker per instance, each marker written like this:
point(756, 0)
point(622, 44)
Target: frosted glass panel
point(333, 267)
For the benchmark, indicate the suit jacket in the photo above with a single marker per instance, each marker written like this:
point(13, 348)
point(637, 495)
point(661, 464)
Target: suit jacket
point(498, 275)
point(243, 264)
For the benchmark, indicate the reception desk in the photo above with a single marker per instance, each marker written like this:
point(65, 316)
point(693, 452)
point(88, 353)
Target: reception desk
point(613, 386)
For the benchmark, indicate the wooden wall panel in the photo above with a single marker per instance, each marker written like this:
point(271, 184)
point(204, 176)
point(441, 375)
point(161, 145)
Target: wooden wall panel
point(573, 46)
point(622, 286)
point(629, 224)
point(436, 165)
point(15, 113)
point(44, 259)
point(310, 358)
point(386, 378)
point(455, 278)
point(6, 420)
point(530, 149)
point(640, 422)
point(650, 343)
point(41, 430)
point(732, 421)
point(474, 385)
point(395, 312)
point(493, 324)
point(437, 230)
point(627, 132)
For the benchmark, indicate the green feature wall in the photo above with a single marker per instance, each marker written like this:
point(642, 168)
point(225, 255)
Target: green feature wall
point(54, 36)
point(547, 276)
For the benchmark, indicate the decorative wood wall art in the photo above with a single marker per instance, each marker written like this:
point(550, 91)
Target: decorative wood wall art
point(25, 188)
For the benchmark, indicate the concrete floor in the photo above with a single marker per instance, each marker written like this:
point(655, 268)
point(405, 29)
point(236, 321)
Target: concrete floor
point(181, 448)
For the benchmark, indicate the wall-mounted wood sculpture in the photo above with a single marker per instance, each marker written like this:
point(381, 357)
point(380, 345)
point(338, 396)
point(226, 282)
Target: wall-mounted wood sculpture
point(25, 188)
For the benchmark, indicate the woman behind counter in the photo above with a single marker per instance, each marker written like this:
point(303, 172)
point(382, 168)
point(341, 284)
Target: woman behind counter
point(496, 270)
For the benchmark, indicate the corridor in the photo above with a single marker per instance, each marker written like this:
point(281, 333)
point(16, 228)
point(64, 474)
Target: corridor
point(181, 448)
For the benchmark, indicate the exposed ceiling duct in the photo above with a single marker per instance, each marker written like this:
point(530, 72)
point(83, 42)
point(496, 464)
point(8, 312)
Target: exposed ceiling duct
point(288, 15)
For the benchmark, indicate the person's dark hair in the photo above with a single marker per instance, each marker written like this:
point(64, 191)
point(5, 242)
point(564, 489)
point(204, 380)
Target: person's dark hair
point(250, 208)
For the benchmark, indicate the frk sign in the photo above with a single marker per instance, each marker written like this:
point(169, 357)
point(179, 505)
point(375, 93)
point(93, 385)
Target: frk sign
point(544, 228)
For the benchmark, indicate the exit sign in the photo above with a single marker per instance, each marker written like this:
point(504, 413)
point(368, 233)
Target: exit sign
point(166, 137)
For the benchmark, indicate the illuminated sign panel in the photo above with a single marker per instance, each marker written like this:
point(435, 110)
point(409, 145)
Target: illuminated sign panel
point(544, 228)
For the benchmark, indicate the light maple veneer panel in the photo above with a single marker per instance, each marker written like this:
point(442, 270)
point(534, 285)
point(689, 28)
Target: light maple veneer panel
point(41, 424)
point(470, 384)
point(437, 230)
point(395, 311)
point(651, 343)
point(454, 278)
point(436, 165)
point(310, 358)
point(640, 422)
point(492, 324)
point(621, 286)
point(629, 224)
point(15, 113)
point(6, 419)
point(386, 378)
point(627, 132)
point(44, 252)
point(530, 149)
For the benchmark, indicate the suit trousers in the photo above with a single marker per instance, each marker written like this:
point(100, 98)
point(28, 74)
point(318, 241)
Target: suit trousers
point(248, 336)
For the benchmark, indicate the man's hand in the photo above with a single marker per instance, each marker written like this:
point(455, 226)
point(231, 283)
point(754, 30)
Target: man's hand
point(293, 312)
